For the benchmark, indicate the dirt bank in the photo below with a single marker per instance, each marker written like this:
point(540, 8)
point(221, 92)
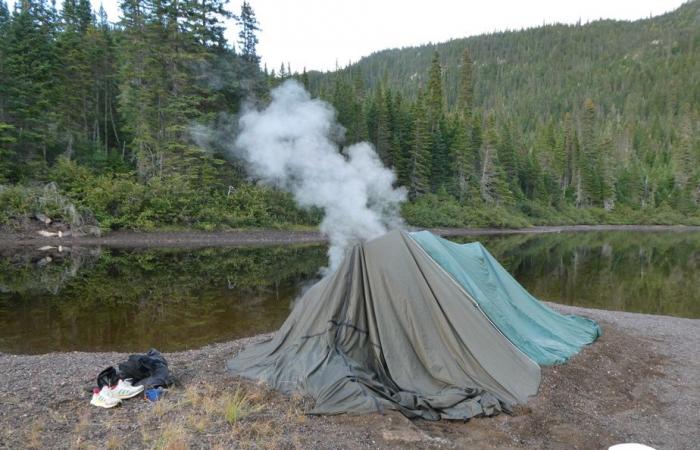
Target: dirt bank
point(637, 383)
point(128, 239)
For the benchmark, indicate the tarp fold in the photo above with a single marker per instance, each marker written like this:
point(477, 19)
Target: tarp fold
point(391, 329)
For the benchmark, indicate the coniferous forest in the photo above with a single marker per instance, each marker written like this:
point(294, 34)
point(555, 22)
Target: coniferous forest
point(560, 124)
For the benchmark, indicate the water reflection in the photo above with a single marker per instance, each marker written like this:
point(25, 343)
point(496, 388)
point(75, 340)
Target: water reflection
point(173, 299)
point(653, 273)
point(131, 300)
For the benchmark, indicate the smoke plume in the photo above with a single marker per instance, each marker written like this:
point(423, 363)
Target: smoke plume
point(292, 144)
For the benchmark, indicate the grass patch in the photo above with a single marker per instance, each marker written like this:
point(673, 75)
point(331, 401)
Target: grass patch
point(239, 405)
point(173, 437)
point(35, 434)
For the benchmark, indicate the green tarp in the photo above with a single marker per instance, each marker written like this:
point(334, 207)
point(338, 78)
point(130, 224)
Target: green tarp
point(541, 333)
point(391, 329)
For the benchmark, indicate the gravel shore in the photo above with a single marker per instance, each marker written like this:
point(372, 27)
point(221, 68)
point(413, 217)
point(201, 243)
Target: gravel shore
point(638, 383)
point(258, 237)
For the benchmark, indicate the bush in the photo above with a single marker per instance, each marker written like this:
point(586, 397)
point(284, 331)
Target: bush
point(19, 204)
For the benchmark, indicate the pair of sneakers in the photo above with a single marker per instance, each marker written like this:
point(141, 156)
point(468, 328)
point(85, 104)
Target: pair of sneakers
point(111, 396)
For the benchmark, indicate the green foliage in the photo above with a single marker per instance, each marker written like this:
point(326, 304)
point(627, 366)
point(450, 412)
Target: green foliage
point(596, 122)
point(434, 210)
point(603, 115)
point(18, 204)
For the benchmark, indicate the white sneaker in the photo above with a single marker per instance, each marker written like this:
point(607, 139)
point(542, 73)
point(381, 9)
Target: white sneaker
point(124, 389)
point(103, 398)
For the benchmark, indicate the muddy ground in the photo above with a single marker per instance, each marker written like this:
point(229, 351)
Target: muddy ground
point(257, 237)
point(638, 383)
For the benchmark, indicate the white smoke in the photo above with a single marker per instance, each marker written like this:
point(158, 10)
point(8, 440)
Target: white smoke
point(291, 144)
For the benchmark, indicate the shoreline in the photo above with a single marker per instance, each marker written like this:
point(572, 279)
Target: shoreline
point(637, 383)
point(264, 237)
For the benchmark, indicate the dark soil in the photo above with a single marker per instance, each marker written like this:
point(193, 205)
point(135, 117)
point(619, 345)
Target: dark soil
point(638, 383)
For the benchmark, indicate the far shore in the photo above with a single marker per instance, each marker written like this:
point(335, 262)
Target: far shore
point(260, 237)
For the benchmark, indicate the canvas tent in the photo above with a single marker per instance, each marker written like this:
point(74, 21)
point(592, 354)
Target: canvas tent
point(392, 329)
point(540, 332)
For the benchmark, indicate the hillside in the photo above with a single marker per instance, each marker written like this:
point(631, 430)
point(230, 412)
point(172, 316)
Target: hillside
point(648, 67)
point(602, 115)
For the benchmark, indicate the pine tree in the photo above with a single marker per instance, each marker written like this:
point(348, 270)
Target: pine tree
point(435, 96)
point(138, 94)
point(605, 172)
point(283, 72)
point(29, 91)
point(248, 39)
point(419, 157)
point(204, 21)
point(588, 161)
point(493, 183)
point(382, 124)
point(570, 144)
point(107, 127)
point(4, 24)
point(464, 161)
point(75, 51)
point(507, 157)
point(465, 98)
point(402, 139)
point(7, 138)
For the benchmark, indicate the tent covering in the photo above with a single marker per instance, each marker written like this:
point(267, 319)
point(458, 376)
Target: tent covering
point(392, 329)
point(540, 332)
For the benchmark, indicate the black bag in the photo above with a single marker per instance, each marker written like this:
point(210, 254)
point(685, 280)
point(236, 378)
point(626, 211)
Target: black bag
point(107, 377)
point(148, 370)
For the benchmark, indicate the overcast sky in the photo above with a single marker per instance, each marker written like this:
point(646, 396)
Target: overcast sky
point(318, 33)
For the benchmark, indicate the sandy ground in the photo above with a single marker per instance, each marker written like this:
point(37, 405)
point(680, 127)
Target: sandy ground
point(638, 383)
point(259, 237)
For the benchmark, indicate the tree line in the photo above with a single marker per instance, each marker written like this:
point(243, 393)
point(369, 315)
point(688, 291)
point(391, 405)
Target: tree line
point(554, 124)
point(107, 111)
point(603, 115)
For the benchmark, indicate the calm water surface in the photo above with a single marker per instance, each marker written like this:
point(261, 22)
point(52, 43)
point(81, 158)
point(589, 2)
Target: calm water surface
point(129, 300)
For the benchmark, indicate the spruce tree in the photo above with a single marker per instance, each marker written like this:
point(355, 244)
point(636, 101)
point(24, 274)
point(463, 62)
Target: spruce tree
point(419, 157)
point(588, 162)
point(493, 183)
point(30, 91)
point(75, 48)
point(507, 156)
point(4, 24)
point(248, 39)
point(465, 97)
point(435, 96)
point(382, 130)
point(464, 161)
point(204, 20)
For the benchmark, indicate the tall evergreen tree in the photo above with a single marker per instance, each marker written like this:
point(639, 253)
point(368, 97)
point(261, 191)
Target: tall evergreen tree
point(248, 39)
point(589, 189)
point(435, 96)
point(29, 90)
point(419, 157)
point(382, 125)
point(464, 161)
point(204, 21)
point(75, 50)
point(465, 98)
point(493, 183)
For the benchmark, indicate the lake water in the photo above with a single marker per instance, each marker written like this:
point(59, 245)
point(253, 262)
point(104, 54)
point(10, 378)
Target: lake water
point(99, 299)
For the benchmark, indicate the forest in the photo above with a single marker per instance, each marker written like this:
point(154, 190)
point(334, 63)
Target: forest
point(560, 124)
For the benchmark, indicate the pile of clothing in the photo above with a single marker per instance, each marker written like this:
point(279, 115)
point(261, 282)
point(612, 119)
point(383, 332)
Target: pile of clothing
point(146, 373)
